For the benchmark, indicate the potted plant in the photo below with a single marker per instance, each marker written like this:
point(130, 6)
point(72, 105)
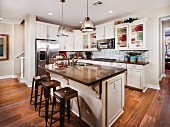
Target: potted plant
point(88, 54)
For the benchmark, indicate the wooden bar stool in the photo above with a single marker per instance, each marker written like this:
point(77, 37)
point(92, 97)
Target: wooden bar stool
point(62, 95)
point(46, 86)
point(36, 82)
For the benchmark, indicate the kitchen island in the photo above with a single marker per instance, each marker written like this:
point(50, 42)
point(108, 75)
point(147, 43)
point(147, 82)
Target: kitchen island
point(100, 89)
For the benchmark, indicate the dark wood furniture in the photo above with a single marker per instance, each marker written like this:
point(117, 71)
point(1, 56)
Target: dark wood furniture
point(62, 95)
point(46, 86)
point(36, 82)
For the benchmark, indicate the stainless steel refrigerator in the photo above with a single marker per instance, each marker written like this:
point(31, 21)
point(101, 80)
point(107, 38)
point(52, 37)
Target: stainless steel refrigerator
point(45, 49)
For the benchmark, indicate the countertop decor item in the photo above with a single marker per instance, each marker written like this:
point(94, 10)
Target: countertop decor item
point(87, 25)
point(133, 56)
point(88, 54)
point(4, 46)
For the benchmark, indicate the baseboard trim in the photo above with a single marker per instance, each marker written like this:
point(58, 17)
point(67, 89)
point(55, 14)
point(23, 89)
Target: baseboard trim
point(8, 76)
point(160, 78)
point(27, 83)
point(157, 87)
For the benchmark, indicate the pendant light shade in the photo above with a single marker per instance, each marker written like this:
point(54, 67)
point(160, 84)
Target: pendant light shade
point(87, 25)
point(61, 29)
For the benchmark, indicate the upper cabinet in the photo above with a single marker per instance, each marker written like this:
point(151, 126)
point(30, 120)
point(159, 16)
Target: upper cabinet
point(131, 35)
point(105, 31)
point(66, 43)
point(46, 31)
point(89, 41)
point(78, 40)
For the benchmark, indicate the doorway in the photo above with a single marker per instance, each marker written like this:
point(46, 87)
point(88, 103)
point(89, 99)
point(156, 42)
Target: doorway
point(164, 46)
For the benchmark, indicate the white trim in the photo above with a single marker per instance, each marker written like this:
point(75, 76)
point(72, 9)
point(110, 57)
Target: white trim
point(8, 76)
point(27, 83)
point(160, 78)
point(157, 87)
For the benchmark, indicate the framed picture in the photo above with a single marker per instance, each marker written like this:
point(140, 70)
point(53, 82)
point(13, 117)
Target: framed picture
point(4, 46)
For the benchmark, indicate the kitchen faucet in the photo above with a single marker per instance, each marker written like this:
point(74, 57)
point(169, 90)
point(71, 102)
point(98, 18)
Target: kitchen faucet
point(73, 61)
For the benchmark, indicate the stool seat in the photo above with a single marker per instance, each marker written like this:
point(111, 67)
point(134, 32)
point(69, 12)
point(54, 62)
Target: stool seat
point(51, 83)
point(66, 93)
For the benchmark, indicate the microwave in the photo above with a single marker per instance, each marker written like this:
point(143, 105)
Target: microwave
point(106, 44)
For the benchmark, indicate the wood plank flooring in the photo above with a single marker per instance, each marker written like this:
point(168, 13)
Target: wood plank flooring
point(149, 109)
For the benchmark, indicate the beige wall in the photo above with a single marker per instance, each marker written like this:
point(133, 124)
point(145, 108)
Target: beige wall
point(7, 66)
point(10, 67)
point(18, 47)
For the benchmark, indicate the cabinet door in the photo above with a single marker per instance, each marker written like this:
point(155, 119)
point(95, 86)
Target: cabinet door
point(78, 40)
point(109, 30)
point(137, 35)
point(114, 99)
point(121, 36)
point(69, 42)
point(41, 30)
point(93, 43)
point(52, 32)
point(85, 41)
point(62, 43)
point(134, 78)
point(99, 32)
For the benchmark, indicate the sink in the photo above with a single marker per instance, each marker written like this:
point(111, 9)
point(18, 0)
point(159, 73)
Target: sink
point(83, 64)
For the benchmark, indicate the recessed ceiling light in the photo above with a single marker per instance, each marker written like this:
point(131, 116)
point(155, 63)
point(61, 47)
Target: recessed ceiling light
point(1, 19)
point(80, 22)
point(111, 11)
point(50, 13)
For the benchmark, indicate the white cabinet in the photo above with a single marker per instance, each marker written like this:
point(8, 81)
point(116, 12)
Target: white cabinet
point(66, 43)
point(131, 35)
point(89, 41)
point(115, 98)
point(46, 31)
point(78, 40)
point(136, 76)
point(105, 31)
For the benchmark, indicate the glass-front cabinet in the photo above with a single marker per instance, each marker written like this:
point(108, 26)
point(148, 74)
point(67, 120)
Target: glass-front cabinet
point(89, 41)
point(137, 35)
point(131, 36)
point(121, 36)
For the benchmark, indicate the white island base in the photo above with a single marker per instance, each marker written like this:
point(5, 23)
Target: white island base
point(99, 106)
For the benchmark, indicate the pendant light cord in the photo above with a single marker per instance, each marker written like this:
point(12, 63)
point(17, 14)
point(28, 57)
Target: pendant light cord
point(62, 17)
point(87, 8)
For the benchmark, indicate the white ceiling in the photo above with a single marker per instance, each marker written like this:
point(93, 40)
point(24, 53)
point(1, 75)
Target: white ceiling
point(14, 11)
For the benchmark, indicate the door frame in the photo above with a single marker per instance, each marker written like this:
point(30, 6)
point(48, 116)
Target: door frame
point(161, 48)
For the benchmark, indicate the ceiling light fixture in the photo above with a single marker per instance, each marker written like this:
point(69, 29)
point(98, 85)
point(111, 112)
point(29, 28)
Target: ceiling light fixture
point(50, 13)
point(111, 11)
point(61, 29)
point(87, 25)
point(80, 22)
point(1, 19)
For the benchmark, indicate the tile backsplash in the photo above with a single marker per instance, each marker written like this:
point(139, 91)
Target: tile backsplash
point(114, 54)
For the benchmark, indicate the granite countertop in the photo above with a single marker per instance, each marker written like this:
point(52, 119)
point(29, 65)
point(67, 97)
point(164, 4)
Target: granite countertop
point(87, 75)
point(117, 61)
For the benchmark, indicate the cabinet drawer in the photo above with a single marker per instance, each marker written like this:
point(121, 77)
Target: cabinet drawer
point(119, 65)
point(133, 66)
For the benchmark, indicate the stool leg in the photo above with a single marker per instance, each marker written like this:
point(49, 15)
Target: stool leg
point(36, 94)
point(40, 100)
point(68, 110)
point(52, 112)
point(54, 100)
point(78, 106)
point(62, 112)
point(47, 95)
point(32, 90)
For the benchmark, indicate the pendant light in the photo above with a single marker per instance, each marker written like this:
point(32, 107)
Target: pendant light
point(87, 25)
point(61, 29)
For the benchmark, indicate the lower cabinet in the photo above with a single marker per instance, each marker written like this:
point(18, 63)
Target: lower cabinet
point(136, 76)
point(115, 92)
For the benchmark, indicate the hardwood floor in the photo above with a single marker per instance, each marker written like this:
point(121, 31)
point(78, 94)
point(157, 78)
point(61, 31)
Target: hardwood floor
point(149, 109)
